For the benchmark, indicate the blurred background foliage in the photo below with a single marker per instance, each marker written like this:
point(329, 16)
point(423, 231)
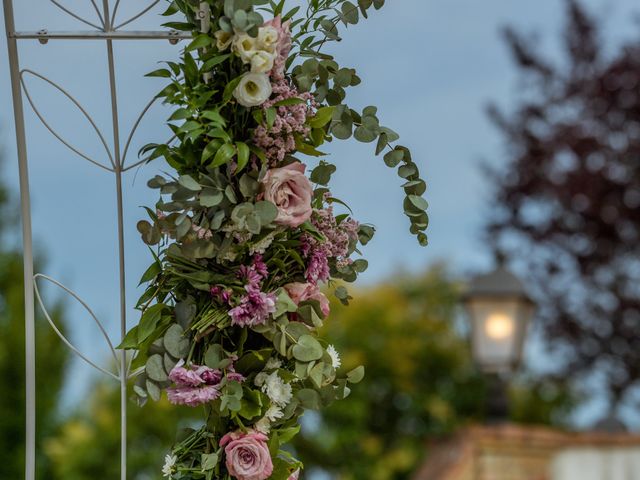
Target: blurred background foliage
point(421, 384)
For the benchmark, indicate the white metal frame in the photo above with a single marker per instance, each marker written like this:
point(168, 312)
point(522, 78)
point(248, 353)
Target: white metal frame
point(107, 29)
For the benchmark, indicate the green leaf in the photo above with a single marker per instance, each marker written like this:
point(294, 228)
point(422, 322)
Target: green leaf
point(175, 342)
point(181, 114)
point(213, 356)
point(307, 349)
point(224, 154)
point(149, 321)
point(217, 60)
point(243, 156)
point(162, 73)
point(266, 211)
point(289, 101)
point(189, 183)
point(201, 41)
point(418, 202)
point(271, 116)
point(155, 368)
point(153, 390)
point(208, 461)
point(356, 375)
point(363, 134)
point(130, 341)
point(309, 398)
point(350, 13)
point(251, 404)
point(393, 158)
point(211, 197)
point(211, 149)
point(151, 273)
point(228, 90)
point(189, 126)
point(322, 173)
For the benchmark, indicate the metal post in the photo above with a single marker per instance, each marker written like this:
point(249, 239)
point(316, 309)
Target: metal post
point(27, 245)
point(121, 248)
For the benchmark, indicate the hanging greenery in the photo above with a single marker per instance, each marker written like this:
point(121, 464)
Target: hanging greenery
point(243, 238)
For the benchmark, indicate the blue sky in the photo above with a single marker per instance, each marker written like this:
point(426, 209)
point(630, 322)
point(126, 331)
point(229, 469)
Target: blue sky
point(431, 66)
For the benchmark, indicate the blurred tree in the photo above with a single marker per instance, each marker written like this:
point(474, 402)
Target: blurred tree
point(420, 381)
point(567, 208)
point(51, 359)
point(87, 444)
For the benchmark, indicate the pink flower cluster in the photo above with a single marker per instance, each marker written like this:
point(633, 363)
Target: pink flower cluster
point(283, 48)
point(279, 140)
point(337, 238)
point(256, 306)
point(300, 292)
point(194, 386)
point(198, 384)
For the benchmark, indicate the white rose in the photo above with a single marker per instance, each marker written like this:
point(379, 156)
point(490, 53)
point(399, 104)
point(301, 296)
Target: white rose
point(262, 61)
point(254, 89)
point(268, 38)
point(223, 40)
point(244, 46)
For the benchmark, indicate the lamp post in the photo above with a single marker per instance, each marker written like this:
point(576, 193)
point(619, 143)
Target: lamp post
point(499, 311)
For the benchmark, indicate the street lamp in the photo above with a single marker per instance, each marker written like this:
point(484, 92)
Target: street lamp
point(499, 311)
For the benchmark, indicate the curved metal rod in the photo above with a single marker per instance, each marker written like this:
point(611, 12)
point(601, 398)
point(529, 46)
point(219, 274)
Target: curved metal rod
point(112, 19)
point(95, 7)
point(76, 16)
point(135, 17)
point(133, 131)
point(61, 335)
point(77, 104)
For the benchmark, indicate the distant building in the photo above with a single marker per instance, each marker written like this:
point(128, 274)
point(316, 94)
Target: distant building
point(515, 452)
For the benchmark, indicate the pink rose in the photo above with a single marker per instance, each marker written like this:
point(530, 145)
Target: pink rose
point(299, 292)
point(290, 190)
point(247, 455)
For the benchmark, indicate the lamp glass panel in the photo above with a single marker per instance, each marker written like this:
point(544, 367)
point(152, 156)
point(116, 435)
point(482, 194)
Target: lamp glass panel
point(497, 332)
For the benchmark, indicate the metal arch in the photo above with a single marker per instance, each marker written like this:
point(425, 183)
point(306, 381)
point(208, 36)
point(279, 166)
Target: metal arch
point(53, 132)
point(104, 31)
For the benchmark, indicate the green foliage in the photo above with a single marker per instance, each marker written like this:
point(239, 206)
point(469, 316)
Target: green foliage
point(420, 381)
point(87, 443)
point(51, 359)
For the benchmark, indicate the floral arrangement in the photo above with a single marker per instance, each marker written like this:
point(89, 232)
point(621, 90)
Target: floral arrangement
point(243, 238)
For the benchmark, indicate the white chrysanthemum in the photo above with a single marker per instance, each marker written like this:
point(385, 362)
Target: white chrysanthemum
point(335, 357)
point(169, 464)
point(262, 61)
point(273, 364)
point(274, 413)
point(253, 90)
point(277, 390)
